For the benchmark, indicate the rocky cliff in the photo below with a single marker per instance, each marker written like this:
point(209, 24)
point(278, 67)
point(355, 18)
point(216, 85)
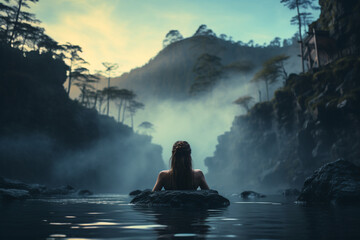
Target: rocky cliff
point(312, 120)
point(342, 20)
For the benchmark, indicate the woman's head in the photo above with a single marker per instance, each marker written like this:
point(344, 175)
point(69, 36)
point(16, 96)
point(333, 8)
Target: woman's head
point(181, 165)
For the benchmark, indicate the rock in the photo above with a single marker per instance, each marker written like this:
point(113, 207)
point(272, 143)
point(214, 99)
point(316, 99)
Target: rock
point(135, 192)
point(251, 194)
point(14, 184)
point(13, 189)
point(63, 190)
point(177, 198)
point(291, 192)
point(85, 192)
point(13, 194)
point(336, 182)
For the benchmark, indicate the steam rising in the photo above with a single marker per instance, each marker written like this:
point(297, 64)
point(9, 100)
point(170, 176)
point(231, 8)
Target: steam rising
point(199, 120)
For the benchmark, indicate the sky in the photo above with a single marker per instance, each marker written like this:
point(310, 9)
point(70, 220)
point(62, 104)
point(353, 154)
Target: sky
point(130, 33)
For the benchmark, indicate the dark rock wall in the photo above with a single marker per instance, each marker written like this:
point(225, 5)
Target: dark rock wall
point(342, 19)
point(312, 120)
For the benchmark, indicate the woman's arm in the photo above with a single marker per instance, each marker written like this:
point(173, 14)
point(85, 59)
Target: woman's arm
point(203, 185)
point(159, 182)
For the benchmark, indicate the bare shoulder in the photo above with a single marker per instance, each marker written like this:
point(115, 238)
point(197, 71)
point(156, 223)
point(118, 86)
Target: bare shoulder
point(164, 173)
point(198, 173)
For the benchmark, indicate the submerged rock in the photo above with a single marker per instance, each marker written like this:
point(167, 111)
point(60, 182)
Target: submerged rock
point(177, 198)
point(251, 194)
point(85, 192)
point(336, 182)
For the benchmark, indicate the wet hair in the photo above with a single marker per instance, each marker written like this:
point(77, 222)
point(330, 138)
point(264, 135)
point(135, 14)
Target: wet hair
point(181, 166)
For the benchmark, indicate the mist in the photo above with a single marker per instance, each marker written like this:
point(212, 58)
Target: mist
point(199, 120)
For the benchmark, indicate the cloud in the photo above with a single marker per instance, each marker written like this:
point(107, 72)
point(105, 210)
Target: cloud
point(102, 37)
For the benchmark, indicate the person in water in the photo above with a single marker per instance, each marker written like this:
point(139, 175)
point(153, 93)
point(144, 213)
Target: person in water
point(181, 176)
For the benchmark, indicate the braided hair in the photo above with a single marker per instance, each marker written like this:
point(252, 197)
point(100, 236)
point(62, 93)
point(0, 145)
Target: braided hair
point(181, 166)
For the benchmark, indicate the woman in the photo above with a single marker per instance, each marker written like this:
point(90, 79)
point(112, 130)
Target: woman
point(181, 176)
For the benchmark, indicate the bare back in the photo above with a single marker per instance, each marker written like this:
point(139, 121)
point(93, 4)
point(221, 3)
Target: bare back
point(164, 181)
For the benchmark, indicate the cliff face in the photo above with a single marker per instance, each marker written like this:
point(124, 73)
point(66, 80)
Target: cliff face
point(342, 20)
point(312, 120)
point(45, 137)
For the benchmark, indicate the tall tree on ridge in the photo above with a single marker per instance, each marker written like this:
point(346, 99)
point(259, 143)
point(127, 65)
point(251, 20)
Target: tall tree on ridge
point(147, 127)
point(298, 4)
point(132, 108)
point(171, 37)
point(84, 80)
point(20, 4)
point(244, 102)
point(72, 53)
point(109, 68)
point(272, 70)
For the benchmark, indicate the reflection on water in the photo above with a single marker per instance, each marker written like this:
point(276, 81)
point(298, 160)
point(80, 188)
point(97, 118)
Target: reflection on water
point(110, 217)
point(179, 222)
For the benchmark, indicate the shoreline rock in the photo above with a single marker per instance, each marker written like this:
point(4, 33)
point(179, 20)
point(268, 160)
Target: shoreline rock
point(336, 182)
point(15, 190)
point(251, 194)
point(177, 198)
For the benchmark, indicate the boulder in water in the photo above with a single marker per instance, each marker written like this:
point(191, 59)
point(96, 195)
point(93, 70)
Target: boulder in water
point(13, 194)
point(336, 182)
point(180, 198)
point(251, 194)
point(14, 189)
point(135, 192)
point(85, 192)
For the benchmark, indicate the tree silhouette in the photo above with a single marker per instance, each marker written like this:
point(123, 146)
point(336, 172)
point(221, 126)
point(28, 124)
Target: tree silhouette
point(133, 107)
point(146, 127)
point(171, 37)
point(49, 45)
point(110, 93)
point(122, 95)
point(276, 42)
point(208, 70)
point(5, 19)
point(272, 70)
point(84, 80)
point(244, 102)
point(298, 5)
point(98, 100)
point(76, 62)
point(109, 68)
point(203, 30)
point(127, 97)
point(306, 19)
point(18, 27)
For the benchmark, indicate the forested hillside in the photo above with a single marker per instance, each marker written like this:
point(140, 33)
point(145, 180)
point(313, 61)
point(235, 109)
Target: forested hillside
point(172, 72)
point(46, 137)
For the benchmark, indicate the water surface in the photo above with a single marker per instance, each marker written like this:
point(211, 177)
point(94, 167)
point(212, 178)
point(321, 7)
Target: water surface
point(111, 217)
